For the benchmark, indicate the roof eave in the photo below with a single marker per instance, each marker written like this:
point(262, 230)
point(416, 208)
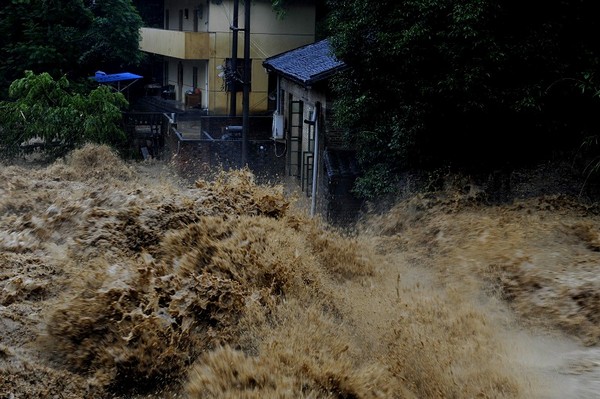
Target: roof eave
point(326, 75)
point(308, 82)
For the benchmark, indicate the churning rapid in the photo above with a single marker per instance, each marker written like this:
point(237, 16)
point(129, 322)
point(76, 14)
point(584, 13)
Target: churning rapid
point(118, 281)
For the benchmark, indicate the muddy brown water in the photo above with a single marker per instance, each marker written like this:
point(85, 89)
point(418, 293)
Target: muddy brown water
point(119, 281)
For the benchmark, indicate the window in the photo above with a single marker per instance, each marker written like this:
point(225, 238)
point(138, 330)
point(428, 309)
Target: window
point(167, 19)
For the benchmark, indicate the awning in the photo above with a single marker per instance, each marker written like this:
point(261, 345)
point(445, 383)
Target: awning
point(103, 77)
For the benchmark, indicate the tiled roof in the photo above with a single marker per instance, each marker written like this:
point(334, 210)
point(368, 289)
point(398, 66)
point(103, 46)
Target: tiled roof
point(307, 64)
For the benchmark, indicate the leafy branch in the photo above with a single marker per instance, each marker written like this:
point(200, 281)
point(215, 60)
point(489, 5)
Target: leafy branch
point(46, 113)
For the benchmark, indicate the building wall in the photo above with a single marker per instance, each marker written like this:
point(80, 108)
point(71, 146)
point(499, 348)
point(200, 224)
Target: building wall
point(310, 99)
point(269, 36)
point(195, 9)
point(188, 78)
point(290, 91)
point(335, 201)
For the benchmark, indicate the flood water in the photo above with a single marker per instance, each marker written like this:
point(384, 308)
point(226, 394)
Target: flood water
point(120, 281)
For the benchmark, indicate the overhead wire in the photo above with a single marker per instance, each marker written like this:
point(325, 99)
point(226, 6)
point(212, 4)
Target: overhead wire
point(253, 43)
point(229, 17)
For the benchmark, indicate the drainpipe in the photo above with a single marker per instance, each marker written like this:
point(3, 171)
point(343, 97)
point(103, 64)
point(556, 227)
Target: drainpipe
point(313, 199)
point(246, 93)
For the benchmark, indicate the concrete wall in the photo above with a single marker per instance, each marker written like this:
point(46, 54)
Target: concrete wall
point(198, 9)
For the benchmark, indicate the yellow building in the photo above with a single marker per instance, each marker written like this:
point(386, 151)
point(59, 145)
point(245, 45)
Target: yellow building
point(196, 43)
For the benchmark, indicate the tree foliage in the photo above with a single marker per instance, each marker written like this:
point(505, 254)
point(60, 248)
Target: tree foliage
point(66, 37)
point(280, 7)
point(48, 113)
point(471, 83)
point(113, 36)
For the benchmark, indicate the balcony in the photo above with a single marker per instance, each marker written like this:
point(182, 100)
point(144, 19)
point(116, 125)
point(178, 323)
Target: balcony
point(176, 44)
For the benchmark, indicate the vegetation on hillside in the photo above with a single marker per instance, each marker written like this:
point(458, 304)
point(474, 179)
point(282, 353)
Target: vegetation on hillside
point(472, 84)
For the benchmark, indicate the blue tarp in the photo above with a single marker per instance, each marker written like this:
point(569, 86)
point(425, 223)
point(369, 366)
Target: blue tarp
point(103, 77)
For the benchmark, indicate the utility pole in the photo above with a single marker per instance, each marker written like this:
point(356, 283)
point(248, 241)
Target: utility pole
point(246, 94)
point(233, 85)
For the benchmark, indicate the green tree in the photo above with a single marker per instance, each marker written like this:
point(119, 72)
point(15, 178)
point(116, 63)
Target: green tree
point(40, 36)
point(66, 37)
point(470, 83)
point(47, 112)
point(113, 37)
